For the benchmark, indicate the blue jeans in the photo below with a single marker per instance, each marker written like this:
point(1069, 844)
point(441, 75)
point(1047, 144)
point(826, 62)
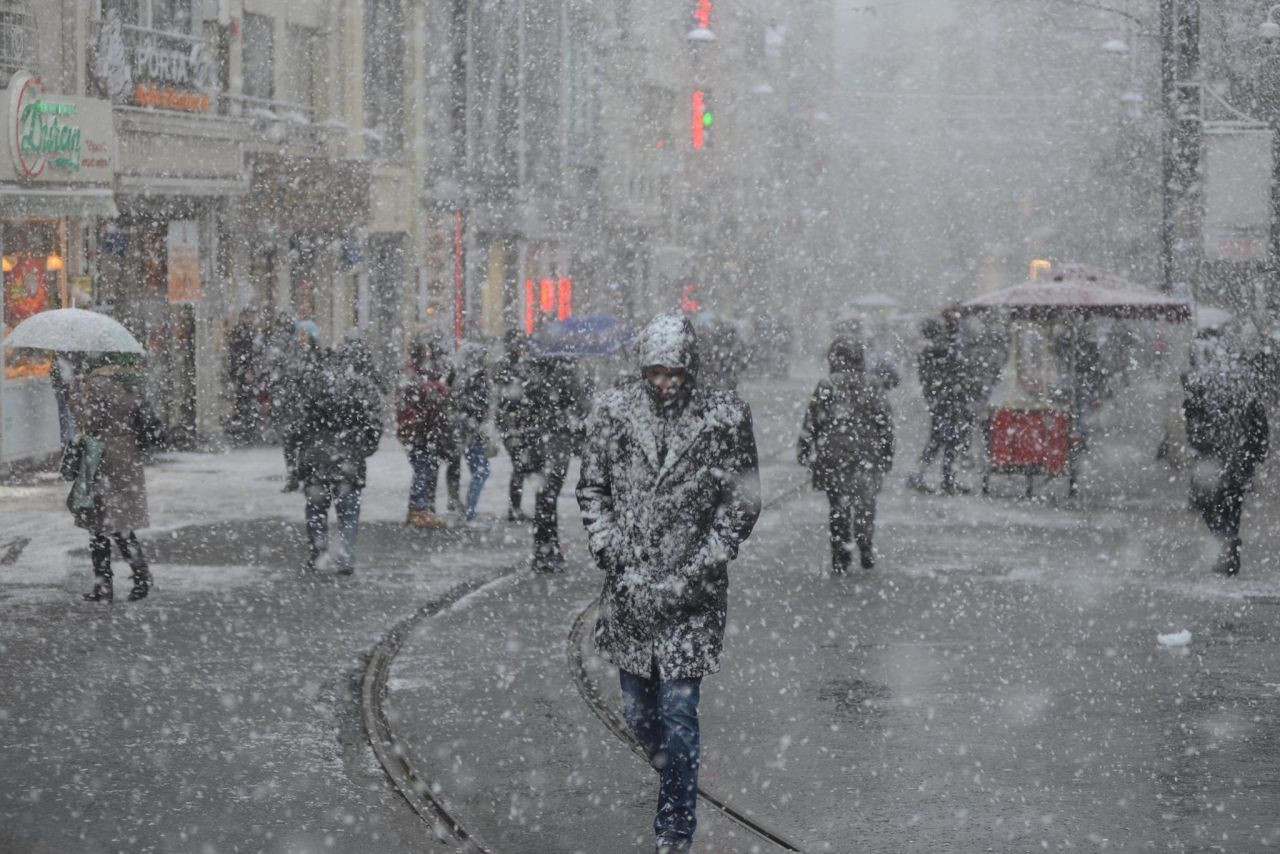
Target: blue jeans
point(478, 465)
point(425, 461)
point(663, 716)
point(345, 498)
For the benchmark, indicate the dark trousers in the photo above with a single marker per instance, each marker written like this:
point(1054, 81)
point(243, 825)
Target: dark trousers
point(663, 716)
point(345, 498)
point(545, 523)
point(130, 550)
point(1223, 507)
point(852, 518)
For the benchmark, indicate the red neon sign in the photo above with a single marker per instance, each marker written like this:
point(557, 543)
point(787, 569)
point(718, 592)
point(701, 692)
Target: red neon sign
point(702, 14)
point(547, 295)
point(696, 127)
point(528, 307)
point(564, 298)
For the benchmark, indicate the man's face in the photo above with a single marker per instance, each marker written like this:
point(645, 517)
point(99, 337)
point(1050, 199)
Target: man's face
point(665, 382)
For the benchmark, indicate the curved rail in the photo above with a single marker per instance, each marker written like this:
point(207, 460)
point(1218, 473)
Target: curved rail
point(418, 791)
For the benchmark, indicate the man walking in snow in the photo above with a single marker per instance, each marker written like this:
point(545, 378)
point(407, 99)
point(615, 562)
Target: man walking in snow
point(847, 441)
point(669, 490)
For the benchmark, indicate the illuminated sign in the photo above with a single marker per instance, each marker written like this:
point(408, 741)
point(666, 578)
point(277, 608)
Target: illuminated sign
point(54, 137)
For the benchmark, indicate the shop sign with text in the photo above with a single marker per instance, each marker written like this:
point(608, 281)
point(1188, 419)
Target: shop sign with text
point(56, 138)
point(146, 68)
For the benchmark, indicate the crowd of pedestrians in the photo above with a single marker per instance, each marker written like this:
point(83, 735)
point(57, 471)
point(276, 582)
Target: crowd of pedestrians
point(669, 485)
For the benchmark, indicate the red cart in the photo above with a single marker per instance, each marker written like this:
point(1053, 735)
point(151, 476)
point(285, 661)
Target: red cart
point(1034, 427)
point(1022, 441)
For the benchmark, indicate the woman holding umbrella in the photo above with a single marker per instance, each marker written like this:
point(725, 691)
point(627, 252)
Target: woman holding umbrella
point(107, 413)
point(110, 495)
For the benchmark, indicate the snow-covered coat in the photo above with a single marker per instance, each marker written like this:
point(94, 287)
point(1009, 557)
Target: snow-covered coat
point(663, 526)
point(106, 412)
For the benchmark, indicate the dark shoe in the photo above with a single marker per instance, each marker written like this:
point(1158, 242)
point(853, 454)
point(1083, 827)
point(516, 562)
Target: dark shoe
point(954, 488)
point(103, 590)
point(514, 515)
point(866, 556)
point(917, 483)
point(673, 846)
point(840, 559)
point(142, 581)
point(548, 559)
point(291, 485)
point(1229, 563)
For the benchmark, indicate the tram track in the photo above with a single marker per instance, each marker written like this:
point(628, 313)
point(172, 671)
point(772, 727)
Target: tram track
point(422, 794)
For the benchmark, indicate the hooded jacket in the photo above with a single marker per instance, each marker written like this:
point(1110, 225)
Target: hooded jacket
point(667, 496)
point(847, 438)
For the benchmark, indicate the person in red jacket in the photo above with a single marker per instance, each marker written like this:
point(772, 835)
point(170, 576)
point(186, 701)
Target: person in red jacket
point(423, 426)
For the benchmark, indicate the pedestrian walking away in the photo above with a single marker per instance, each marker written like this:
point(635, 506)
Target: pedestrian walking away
point(1227, 427)
point(424, 426)
point(340, 428)
point(109, 496)
point(947, 388)
point(557, 408)
point(669, 490)
point(513, 417)
point(469, 396)
point(847, 442)
point(298, 372)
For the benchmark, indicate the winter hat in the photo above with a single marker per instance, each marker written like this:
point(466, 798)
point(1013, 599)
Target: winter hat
point(846, 355)
point(669, 341)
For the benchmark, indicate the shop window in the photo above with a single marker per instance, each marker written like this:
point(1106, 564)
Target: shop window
point(17, 38)
point(173, 16)
point(259, 61)
point(384, 28)
point(302, 82)
point(34, 266)
point(130, 11)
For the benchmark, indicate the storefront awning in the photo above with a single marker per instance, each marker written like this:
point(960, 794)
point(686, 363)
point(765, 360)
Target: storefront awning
point(173, 185)
point(19, 201)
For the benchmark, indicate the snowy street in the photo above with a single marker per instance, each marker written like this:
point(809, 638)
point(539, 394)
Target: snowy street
point(996, 683)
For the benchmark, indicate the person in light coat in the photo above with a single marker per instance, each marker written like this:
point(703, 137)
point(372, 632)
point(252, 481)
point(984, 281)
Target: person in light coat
point(669, 490)
point(107, 413)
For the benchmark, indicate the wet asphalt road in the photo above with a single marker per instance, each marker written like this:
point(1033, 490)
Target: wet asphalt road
point(994, 685)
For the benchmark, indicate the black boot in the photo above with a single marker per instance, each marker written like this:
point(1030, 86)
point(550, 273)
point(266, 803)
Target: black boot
point(547, 557)
point(142, 581)
point(1229, 562)
point(103, 590)
point(100, 552)
point(866, 556)
point(840, 558)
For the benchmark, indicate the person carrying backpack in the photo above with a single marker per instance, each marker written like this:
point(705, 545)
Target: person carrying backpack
point(424, 426)
point(340, 428)
point(847, 441)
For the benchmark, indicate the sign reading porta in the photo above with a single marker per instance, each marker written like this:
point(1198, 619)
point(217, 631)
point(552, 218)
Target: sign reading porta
point(56, 138)
point(149, 68)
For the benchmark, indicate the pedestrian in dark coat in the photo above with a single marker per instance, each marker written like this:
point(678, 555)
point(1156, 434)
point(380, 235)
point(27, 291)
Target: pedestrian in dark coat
point(557, 410)
point(847, 441)
point(1227, 426)
point(669, 490)
point(513, 416)
point(469, 398)
point(424, 425)
point(107, 414)
point(339, 430)
point(243, 364)
point(299, 372)
point(948, 393)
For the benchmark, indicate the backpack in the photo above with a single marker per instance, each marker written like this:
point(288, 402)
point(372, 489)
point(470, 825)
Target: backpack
point(422, 412)
point(856, 430)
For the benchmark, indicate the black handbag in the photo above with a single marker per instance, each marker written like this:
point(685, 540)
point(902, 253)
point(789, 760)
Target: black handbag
point(69, 466)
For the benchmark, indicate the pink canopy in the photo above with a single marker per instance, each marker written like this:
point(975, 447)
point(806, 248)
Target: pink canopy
point(1079, 290)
